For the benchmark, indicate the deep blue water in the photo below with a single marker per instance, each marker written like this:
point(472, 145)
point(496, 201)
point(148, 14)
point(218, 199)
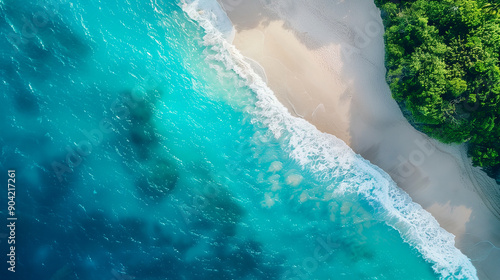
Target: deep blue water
point(140, 152)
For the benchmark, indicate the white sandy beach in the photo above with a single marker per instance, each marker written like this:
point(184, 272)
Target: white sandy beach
point(325, 62)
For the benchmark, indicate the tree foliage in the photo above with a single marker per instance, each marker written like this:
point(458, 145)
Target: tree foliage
point(443, 66)
point(492, 8)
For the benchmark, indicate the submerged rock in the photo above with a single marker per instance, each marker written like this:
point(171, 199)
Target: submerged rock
point(161, 180)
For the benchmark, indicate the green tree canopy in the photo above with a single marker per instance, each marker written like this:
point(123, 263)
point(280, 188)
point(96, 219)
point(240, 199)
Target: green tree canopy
point(443, 67)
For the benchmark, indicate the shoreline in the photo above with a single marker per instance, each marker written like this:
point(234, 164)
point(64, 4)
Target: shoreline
point(331, 73)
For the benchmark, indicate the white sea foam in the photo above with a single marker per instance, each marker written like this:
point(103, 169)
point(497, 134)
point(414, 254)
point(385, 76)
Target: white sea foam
point(212, 11)
point(328, 157)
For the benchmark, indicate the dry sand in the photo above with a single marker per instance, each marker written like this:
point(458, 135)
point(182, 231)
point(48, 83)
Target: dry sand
point(325, 62)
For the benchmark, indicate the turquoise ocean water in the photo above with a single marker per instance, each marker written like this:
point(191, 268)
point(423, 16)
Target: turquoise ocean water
point(145, 148)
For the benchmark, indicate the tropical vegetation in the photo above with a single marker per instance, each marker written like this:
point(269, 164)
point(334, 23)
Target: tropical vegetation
point(443, 67)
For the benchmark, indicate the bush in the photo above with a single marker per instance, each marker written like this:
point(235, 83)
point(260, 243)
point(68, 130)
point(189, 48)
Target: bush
point(443, 66)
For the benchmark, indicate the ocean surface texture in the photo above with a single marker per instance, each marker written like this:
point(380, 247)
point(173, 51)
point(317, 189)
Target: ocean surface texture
point(146, 148)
